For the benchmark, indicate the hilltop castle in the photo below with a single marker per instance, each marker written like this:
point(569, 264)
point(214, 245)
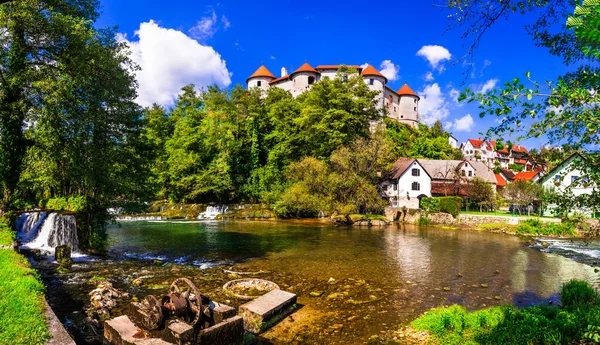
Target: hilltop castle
point(402, 105)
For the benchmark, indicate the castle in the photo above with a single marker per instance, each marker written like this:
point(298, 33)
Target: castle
point(402, 105)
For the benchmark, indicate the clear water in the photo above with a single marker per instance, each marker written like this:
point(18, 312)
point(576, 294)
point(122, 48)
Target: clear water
point(404, 269)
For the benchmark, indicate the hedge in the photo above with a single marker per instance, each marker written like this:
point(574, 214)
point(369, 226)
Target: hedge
point(446, 204)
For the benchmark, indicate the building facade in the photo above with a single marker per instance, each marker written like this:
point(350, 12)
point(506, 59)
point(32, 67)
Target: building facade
point(402, 105)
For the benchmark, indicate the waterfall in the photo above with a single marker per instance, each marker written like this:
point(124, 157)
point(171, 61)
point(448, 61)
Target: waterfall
point(213, 211)
point(28, 225)
point(57, 229)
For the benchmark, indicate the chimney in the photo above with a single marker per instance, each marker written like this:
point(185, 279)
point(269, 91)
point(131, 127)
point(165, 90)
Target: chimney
point(284, 72)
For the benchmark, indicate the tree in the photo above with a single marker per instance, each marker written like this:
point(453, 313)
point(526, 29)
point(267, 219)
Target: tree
point(42, 45)
point(481, 193)
point(522, 194)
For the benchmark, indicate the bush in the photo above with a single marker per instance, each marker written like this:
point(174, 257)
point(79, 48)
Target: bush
point(537, 227)
point(430, 204)
point(578, 294)
point(423, 221)
point(57, 204)
point(451, 204)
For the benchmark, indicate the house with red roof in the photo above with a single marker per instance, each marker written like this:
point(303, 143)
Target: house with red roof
point(497, 154)
point(402, 105)
point(528, 176)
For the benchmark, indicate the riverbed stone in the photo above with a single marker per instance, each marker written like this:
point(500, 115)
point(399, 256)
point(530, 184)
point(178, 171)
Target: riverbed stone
point(262, 312)
point(228, 332)
point(180, 333)
point(221, 312)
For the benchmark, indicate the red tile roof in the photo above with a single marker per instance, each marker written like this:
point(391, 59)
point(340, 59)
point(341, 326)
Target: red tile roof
point(494, 144)
point(501, 182)
point(370, 70)
point(279, 79)
point(477, 143)
point(262, 71)
point(520, 161)
point(519, 148)
point(305, 68)
point(406, 90)
point(337, 66)
point(526, 175)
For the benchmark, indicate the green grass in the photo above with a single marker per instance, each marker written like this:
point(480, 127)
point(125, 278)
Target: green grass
point(359, 217)
point(7, 235)
point(537, 227)
point(572, 323)
point(500, 213)
point(22, 308)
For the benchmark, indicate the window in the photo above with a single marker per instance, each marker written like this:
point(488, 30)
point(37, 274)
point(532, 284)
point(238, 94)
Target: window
point(395, 186)
point(416, 172)
point(311, 80)
point(258, 83)
point(416, 186)
point(415, 108)
point(462, 172)
point(415, 101)
point(470, 173)
point(574, 179)
point(371, 81)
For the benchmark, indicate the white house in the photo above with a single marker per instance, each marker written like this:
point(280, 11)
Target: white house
point(567, 177)
point(402, 105)
point(479, 150)
point(406, 184)
point(453, 141)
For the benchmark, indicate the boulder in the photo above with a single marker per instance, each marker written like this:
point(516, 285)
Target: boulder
point(62, 254)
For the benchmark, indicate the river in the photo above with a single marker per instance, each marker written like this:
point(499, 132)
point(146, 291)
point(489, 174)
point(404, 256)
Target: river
point(372, 280)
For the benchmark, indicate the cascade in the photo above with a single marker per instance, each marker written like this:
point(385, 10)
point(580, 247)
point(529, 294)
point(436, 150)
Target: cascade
point(28, 225)
point(57, 229)
point(213, 211)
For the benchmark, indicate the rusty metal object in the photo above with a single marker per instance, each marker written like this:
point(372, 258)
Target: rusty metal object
point(182, 291)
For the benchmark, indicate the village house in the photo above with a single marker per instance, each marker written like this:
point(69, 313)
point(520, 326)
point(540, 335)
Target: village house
point(494, 154)
point(568, 178)
point(402, 105)
point(412, 179)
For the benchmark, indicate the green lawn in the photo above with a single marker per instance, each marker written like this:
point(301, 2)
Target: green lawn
point(500, 213)
point(576, 321)
point(22, 308)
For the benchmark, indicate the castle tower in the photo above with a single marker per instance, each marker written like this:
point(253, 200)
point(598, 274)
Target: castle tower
point(409, 106)
point(261, 78)
point(303, 78)
point(376, 82)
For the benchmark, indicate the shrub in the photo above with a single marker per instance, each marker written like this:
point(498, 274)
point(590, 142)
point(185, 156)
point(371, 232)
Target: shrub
point(430, 204)
point(423, 221)
point(577, 294)
point(450, 204)
point(77, 203)
point(57, 204)
point(537, 227)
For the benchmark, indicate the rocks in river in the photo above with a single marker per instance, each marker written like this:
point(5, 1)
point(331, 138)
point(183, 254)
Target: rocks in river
point(137, 282)
point(62, 254)
point(103, 299)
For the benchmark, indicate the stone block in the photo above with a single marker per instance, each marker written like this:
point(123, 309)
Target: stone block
point(180, 333)
point(264, 311)
point(121, 331)
point(228, 332)
point(222, 312)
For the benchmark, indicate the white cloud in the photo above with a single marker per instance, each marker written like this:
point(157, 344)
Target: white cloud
point(169, 60)
point(389, 70)
point(454, 94)
point(435, 55)
point(364, 65)
point(464, 124)
point(226, 22)
point(433, 105)
point(272, 57)
point(205, 28)
point(428, 76)
point(487, 86)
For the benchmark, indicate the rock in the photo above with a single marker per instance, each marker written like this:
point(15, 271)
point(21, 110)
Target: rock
point(316, 294)
point(544, 244)
point(63, 269)
point(331, 281)
point(459, 275)
point(267, 309)
point(333, 295)
point(62, 254)
point(446, 288)
point(483, 286)
point(221, 312)
point(137, 282)
point(230, 331)
point(497, 298)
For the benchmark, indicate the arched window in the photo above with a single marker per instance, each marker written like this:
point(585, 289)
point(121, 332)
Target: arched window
point(416, 186)
point(311, 80)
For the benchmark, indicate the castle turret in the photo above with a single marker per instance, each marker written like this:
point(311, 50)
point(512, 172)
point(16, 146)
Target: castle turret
point(376, 82)
point(303, 78)
point(261, 78)
point(409, 106)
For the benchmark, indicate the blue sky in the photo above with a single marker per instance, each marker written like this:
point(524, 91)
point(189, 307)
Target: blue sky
point(224, 42)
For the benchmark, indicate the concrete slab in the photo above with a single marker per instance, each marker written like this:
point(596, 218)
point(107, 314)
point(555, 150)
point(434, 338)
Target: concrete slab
point(262, 312)
point(228, 332)
point(121, 331)
point(222, 312)
point(180, 333)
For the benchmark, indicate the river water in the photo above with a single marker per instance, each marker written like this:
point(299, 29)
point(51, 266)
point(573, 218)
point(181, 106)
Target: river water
point(371, 280)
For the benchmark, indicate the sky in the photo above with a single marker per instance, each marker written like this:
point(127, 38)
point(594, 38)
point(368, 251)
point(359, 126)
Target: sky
point(180, 42)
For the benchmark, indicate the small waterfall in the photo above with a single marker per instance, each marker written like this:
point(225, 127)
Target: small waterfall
point(213, 211)
point(28, 225)
point(58, 229)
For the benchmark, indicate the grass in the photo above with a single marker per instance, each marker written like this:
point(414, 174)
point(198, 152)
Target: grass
point(359, 217)
point(22, 308)
point(7, 235)
point(537, 227)
point(572, 323)
point(499, 213)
